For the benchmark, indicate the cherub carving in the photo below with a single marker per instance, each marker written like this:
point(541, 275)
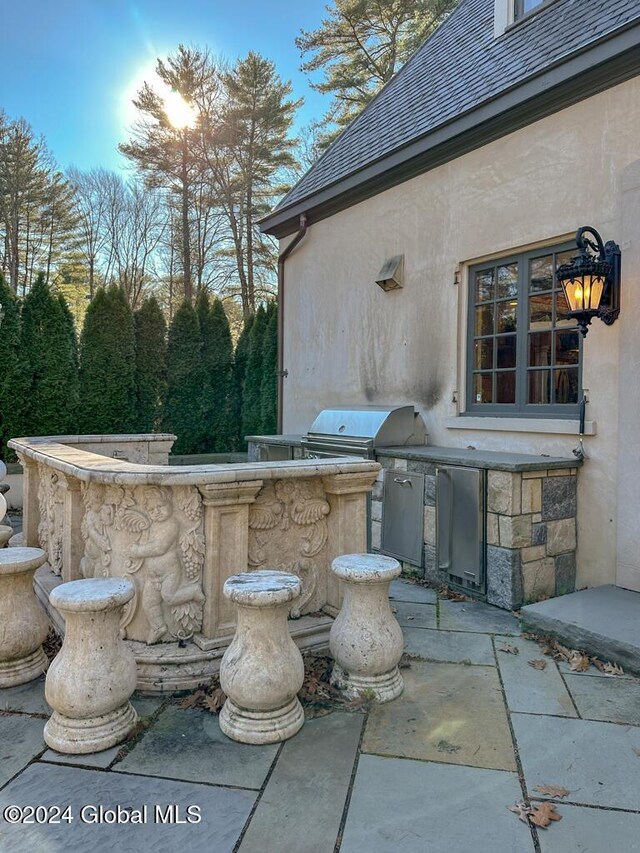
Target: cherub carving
point(164, 579)
point(97, 519)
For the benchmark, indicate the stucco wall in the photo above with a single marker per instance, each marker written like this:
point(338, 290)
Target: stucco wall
point(346, 341)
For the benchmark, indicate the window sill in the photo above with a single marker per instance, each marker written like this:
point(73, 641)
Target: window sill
point(550, 426)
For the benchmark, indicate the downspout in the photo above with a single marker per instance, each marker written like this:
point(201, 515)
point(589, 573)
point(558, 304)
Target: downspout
point(282, 373)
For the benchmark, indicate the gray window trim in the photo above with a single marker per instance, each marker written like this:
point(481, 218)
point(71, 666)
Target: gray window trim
point(520, 408)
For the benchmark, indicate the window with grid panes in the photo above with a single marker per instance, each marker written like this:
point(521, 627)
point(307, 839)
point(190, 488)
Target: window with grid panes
point(524, 352)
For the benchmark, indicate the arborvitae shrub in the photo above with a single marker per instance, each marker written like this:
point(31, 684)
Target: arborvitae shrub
point(151, 364)
point(239, 370)
point(48, 350)
point(252, 388)
point(186, 377)
point(269, 386)
point(108, 365)
point(11, 369)
point(217, 356)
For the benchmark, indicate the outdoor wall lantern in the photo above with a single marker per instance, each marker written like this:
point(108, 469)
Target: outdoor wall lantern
point(591, 281)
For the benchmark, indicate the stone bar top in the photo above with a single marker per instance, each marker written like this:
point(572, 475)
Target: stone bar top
point(90, 467)
point(489, 459)
point(292, 440)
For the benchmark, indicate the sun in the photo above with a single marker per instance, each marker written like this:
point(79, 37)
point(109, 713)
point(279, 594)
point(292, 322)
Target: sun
point(180, 113)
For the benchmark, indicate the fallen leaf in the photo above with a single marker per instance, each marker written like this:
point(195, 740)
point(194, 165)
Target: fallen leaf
point(192, 700)
point(522, 810)
point(612, 669)
point(543, 814)
point(553, 790)
point(509, 649)
point(215, 702)
point(410, 618)
point(578, 662)
point(538, 663)
point(637, 751)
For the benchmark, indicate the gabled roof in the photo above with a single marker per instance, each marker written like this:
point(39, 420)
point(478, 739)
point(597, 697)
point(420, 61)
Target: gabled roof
point(464, 87)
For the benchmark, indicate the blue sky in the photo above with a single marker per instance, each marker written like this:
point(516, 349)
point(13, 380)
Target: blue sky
point(68, 65)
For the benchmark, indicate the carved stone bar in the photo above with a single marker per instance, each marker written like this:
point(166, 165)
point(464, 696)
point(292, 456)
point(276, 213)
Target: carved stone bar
point(30, 504)
point(178, 532)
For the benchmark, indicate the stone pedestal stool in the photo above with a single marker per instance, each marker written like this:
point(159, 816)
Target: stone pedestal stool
point(365, 640)
point(262, 670)
point(6, 531)
point(91, 680)
point(23, 621)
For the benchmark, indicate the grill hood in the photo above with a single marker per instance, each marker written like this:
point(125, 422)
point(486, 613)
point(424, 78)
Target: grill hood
point(378, 426)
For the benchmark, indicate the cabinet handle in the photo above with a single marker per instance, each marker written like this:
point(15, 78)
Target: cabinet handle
point(402, 482)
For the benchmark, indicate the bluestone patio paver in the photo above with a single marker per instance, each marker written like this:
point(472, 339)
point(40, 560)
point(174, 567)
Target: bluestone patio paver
point(20, 741)
point(417, 807)
point(595, 761)
point(223, 813)
point(100, 760)
point(476, 616)
point(27, 698)
point(534, 691)
point(606, 698)
point(414, 615)
point(585, 830)
point(447, 712)
point(401, 590)
point(188, 744)
point(451, 646)
point(311, 778)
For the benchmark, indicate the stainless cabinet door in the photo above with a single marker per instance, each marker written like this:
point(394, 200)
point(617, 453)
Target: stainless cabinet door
point(460, 522)
point(403, 516)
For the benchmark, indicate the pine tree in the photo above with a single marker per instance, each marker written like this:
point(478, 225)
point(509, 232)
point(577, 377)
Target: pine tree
point(11, 368)
point(239, 371)
point(251, 399)
point(182, 413)
point(151, 364)
point(48, 347)
point(359, 47)
point(108, 365)
point(217, 357)
point(269, 385)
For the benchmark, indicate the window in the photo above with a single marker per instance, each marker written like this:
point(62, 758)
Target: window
point(524, 353)
point(523, 7)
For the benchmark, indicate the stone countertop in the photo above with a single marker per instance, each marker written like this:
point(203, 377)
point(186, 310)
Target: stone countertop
point(91, 467)
point(284, 440)
point(489, 459)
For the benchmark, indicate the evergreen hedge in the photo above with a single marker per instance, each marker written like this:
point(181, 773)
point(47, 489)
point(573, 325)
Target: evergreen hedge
point(11, 369)
point(186, 377)
point(48, 350)
point(108, 365)
point(269, 379)
point(239, 371)
point(218, 402)
point(252, 386)
point(151, 364)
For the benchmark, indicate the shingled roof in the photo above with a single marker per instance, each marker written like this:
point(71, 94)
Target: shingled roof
point(464, 87)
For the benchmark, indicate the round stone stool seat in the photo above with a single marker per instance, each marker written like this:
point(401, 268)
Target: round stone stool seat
point(91, 680)
point(23, 621)
point(262, 670)
point(13, 561)
point(365, 640)
point(89, 596)
point(262, 588)
point(366, 568)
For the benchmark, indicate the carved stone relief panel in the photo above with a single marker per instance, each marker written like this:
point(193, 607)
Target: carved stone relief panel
point(154, 536)
point(51, 490)
point(288, 531)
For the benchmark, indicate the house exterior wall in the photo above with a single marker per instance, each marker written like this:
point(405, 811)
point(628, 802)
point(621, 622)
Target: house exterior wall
point(347, 341)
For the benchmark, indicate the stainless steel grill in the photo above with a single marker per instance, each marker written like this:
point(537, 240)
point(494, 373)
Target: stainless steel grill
point(361, 430)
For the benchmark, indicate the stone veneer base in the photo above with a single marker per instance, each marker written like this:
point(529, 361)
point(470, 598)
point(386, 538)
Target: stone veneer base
point(385, 688)
point(94, 734)
point(260, 727)
point(15, 672)
point(168, 668)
